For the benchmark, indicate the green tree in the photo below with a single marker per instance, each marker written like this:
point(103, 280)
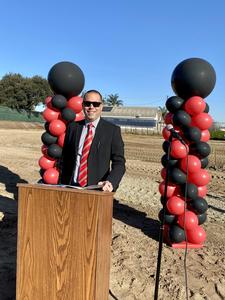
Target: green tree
point(113, 100)
point(21, 92)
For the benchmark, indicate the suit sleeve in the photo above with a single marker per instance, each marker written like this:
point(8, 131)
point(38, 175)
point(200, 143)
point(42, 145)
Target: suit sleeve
point(117, 159)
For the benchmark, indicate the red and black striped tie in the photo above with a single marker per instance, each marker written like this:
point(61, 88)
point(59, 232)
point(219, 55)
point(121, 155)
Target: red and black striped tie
point(82, 177)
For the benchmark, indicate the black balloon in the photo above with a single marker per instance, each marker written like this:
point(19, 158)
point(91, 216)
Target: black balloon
point(193, 134)
point(48, 139)
point(68, 114)
point(165, 146)
point(189, 190)
point(181, 118)
point(204, 162)
point(41, 172)
point(202, 218)
point(193, 77)
point(177, 176)
point(54, 151)
point(200, 149)
point(162, 200)
point(199, 205)
point(66, 78)
point(168, 218)
point(47, 126)
point(206, 110)
point(170, 162)
point(59, 101)
point(174, 103)
point(176, 234)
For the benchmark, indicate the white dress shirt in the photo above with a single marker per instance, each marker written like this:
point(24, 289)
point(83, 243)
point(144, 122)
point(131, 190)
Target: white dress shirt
point(81, 144)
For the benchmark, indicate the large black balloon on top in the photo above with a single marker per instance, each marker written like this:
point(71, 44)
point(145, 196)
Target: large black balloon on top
point(193, 77)
point(66, 78)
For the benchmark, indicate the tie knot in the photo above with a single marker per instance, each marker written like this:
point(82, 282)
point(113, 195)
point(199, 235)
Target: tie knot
point(90, 125)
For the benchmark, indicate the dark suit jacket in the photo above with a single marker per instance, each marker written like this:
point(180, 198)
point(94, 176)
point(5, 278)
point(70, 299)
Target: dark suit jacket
point(107, 146)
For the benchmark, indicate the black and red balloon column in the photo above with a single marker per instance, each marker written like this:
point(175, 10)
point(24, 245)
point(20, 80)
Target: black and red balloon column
point(185, 159)
point(66, 81)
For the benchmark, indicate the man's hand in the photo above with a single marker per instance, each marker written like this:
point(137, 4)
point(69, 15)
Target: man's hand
point(106, 186)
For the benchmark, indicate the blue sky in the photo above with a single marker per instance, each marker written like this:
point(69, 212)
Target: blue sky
point(123, 46)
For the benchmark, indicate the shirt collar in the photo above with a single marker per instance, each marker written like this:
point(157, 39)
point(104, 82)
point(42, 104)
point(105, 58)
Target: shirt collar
point(95, 122)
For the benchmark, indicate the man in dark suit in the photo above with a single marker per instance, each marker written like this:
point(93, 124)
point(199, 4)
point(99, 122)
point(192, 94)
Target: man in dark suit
point(105, 164)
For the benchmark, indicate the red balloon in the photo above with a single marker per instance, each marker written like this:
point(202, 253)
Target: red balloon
point(194, 105)
point(50, 114)
point(75, 103)
point(191, 163)
point(163, 173)
point(205, 135)
point(46, 163)
point(57, 127)
point(196, 235)
point(202, 191)
point(44, 149)
point(188, 220)
point(51, 176)
point(166, 133)
point(48, 100)
point(79, 116)
point(175, 205)
point(171, 188)
point(178, 150)
point(168, 118)
point(202, 121)
point(199, 178)
point(61, 139)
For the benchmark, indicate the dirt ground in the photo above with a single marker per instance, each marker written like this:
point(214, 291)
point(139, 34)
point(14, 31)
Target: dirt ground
point(135, 222)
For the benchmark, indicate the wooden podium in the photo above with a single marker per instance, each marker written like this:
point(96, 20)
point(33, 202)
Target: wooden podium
point(64, 240)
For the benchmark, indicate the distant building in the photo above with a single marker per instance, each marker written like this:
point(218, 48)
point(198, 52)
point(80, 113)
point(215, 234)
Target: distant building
point(219, 125)
point(133, 117)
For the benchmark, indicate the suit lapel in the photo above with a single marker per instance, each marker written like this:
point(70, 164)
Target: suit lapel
point(77, 136)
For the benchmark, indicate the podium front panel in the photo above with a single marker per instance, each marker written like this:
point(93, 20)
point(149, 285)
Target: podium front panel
point(64, 239)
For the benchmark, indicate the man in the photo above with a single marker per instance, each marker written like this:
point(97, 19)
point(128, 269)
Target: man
point(93, 151)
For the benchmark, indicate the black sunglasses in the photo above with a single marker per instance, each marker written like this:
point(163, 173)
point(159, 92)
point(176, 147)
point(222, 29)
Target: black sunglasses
point(88, 103)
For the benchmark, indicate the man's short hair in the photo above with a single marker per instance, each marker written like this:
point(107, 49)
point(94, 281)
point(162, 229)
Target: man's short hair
point(93, 91)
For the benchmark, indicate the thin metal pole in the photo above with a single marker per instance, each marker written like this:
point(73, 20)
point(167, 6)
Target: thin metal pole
point(161, 229)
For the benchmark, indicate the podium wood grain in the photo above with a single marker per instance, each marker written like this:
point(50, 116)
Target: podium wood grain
point(64, 239)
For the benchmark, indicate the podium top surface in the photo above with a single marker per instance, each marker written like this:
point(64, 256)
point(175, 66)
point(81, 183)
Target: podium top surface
point(63, 189)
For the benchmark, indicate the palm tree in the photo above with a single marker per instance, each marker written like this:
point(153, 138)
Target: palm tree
point(163, 111)
point(113, 100)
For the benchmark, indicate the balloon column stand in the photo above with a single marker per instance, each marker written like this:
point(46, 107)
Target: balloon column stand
point(66, 81)
point(188, 122)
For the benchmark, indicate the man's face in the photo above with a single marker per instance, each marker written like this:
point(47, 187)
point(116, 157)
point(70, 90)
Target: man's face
point(91, 112)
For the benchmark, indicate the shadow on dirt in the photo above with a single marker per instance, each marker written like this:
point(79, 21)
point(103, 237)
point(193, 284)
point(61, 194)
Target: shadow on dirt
point(137, 219)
